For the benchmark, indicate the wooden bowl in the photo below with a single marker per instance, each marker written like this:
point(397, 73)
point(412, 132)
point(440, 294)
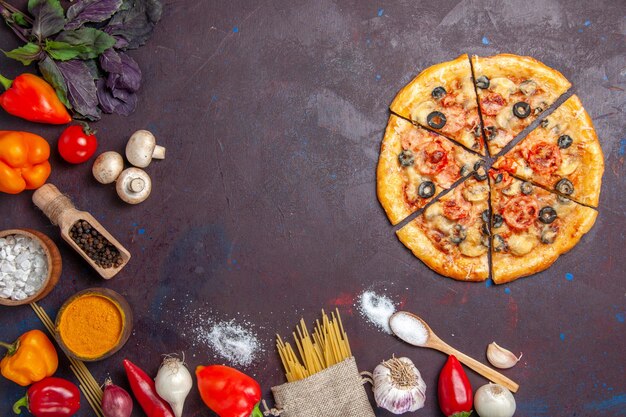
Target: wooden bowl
point(122, 306)
point(54, 265)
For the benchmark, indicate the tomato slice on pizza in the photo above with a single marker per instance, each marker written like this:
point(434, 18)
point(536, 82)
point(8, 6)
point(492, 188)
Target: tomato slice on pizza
point(415, 165)
point(451, 235)
point(562, 154)
point(442, 98)
point(512, 92)
point(531, 227)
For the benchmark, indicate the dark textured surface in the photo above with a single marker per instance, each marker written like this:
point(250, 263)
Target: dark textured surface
point(265, 209)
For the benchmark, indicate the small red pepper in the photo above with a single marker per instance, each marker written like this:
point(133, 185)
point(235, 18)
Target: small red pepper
point(454, 389)
point(145, 392)
point(50, 397)
point(228, 392)
point(33, 99)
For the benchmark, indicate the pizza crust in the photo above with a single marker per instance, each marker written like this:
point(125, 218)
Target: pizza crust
point(459, 268)
point(507, 267)
point(575, 121)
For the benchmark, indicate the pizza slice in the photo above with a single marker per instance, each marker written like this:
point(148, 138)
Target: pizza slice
point(451, 236)
point(415, 165)
point(512, 92)
point(531, 227)
point(562, 154)
point(443, 98)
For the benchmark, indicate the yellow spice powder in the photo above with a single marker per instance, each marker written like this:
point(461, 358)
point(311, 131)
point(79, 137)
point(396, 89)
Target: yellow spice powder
point(91, 326)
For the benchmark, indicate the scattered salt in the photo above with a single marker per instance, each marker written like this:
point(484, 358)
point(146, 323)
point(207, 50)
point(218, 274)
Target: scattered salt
point(409, 329)
point(23, 267)
point(377, 309)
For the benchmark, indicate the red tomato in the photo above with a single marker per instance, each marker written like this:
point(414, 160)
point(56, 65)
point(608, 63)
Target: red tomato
point(520, 212)
point(544, 158)
point(457, 209)
point(431, 158)
point(492, 103)
point(77, 144)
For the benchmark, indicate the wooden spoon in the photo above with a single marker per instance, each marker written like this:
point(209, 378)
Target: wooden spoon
point(413, 330)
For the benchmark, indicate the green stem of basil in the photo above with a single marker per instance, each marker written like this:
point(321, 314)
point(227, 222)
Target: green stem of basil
point(14, 10)
point(6, 83)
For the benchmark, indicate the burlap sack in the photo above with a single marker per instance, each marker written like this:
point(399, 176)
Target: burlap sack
point(334, 392)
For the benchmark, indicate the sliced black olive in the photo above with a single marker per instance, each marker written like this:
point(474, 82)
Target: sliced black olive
point(526, 188)
point(548, 235)
point(406, 158)
point(499, 244)
point(480, 173)
point(490, 132)
point(565, 186)
point(458, 234)
point(563, 200)
point(498, 179)
point(482, 82)
point(476, 130)
point(547, 215)
point(438, 92)
point(485, 216)
point(485, 229)
point(565, 141)
point(426, 189)
point(465, 171)
point(545, 123)
point(498, 221)
point(436, 120)
point(484, 240)
point(521, 109)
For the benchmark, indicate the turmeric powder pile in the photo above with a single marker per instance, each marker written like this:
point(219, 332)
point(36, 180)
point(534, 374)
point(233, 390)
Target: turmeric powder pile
point(91, 325)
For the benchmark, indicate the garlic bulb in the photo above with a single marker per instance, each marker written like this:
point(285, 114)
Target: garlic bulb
point(398, 386)
point(500, 357)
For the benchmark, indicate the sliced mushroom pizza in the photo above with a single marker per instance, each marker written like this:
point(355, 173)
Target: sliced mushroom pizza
point(415, 165)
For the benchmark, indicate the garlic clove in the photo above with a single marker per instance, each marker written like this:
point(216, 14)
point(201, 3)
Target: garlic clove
point(501, 357)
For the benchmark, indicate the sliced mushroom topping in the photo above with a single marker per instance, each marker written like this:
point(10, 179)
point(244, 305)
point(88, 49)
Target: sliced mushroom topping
point(526, 188)
point(528, 87)
point(565, 186)
point(477, 192)
point(521, 110)
point(406, 158)
point(548, 235)
point(498, 221)
point(438, 92)
point(482, 82)
point(480, 173)
point(426, 189)
point(436, 120)
point(499, 244)
point(491, 132)
point(459, 233)
point(547, 215)
point(565, 141)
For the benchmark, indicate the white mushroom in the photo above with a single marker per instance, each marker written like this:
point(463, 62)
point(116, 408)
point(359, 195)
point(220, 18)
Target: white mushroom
point(133, 185)
point(107, 167)
point(142, 148)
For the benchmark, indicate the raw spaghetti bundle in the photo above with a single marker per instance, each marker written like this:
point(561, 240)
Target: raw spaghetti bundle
point(324, 380)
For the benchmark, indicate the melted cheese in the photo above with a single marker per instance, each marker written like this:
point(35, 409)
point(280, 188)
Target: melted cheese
point(478, 192)
point(467, 96)
point(472, 246)
point(421, 112)
point(433, 211)
point(521, 244)
point(502, 86)
point(504, 118)
point(569, 164)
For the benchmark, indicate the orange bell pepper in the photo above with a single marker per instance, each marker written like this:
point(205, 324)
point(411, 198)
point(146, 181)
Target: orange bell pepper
point(23, 161)
point(30, 359)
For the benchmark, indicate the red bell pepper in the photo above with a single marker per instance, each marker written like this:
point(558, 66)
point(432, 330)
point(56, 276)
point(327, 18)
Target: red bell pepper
point(454, 390)
point(145, 392)
point(228, 392)
point(33, 99)
point(50, 397)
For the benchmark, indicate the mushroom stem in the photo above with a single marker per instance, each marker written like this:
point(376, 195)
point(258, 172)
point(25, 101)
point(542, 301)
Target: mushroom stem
point(159, 152)
point(136, 185)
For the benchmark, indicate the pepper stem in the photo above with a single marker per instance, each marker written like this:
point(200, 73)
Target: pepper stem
point(256, 412)
point(22, 402)
point(10, 347)
point(6, 83)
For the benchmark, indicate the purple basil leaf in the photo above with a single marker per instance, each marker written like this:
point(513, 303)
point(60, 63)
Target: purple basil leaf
point(124, 105)
point(110, 61)
point(50, 71)
point(84, 11)
point(48, 15)
point(135, 21)
point(131, 74)
point(81, 88)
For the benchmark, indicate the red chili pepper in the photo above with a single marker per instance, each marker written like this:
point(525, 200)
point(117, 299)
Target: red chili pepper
point(228, 392)
point(32, 98)
point(454, 389)
point(145, 392)
point(50, 397)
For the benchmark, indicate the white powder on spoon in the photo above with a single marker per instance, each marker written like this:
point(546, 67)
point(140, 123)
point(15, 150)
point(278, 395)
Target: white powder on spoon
point(409, 329)
point(377, 309)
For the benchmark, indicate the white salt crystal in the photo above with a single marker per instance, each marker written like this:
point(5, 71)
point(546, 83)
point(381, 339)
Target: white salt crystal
point(409, 329)
point(23, 267)
point(377, 309)
point(231, 341)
